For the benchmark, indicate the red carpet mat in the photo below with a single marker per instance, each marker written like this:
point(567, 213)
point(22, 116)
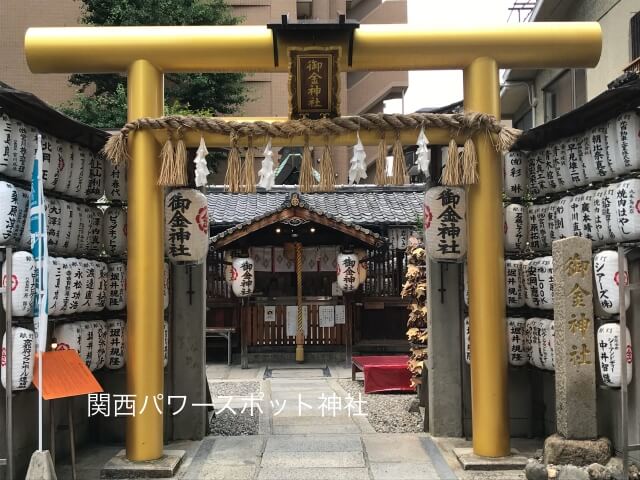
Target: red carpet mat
point(384, 373)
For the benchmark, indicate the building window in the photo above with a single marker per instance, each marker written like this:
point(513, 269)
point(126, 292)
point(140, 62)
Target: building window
point(304, 10)
point(524, 122)
point(635, 36)
point(565, 93)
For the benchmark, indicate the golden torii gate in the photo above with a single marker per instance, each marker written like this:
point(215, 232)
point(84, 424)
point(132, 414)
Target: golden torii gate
point(146, 53)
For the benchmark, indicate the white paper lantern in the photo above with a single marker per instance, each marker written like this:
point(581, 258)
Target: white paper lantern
point(610, 212)
point(576, 215)
point(628, 209)
point(515, 174)
point(548, 341)
point(68, 336)
point(166, 344)
point(609, 344)
point(66, 286)
point(67, 232)
point(95, 188)
point(79, 182)
point(54, 224)
point(186, 226)
point(114, 231)
point(50, 164)
point(84, 219)
point(532, 296)
point(628, 135)
point(77, 284)
point(551, 170)
point(612, 146)
point(445, 223)
point(23, 284)
point(552, 233)
point(87, 343)
point(69, 175)
point(116, 286)
point(535, 241)
point(347, 272)
point(228, 267)
point(116, 347)
point(6, 143)
point(99, 292)
point(599, 146)
point(60, 156)
point(514, 280)
point(516, 227)
point(26, 151)
point(99, 351)
point(94, 231)
point(517, 341)
point(115, 181)
point(165, 285)
point(575, 160)
point(467, 341)
point(14, 208)
point(532, 333)
point(543, 231)
point(607, 279)
point(533, 159)
point(362, 266)
point(540, 335)
point(22, 356)
point(562, 218)
point(545, 282)
point(561, 166)
point(243, 276)
point(88, 284)
point(54, 286)
point(587, 216)
point(600, 225)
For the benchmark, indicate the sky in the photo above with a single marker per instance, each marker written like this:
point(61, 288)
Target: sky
point(439, 88)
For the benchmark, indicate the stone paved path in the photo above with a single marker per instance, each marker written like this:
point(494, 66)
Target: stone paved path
point(297, 442)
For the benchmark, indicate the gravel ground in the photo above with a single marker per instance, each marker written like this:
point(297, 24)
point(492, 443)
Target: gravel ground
point(226, 423)
point(386, 412)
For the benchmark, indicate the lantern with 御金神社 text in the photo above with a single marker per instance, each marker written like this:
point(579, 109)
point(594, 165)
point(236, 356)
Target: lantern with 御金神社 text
point(242, 276)
point(348, 272)
point(445, 223)
point(362, 266)
point(187, 226)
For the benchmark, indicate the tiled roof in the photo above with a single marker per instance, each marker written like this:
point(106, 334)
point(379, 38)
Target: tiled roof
point(359, 205)
point(294, 199)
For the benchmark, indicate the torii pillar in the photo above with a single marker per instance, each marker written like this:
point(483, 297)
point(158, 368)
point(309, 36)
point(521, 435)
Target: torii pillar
point(146, 53)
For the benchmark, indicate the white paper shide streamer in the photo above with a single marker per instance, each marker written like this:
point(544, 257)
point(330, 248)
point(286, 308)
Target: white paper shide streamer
point(423, 154)
point(201, 170)
point(358, 169)
point(266, 173)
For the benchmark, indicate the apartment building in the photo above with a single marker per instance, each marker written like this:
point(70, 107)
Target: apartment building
point(532, 97)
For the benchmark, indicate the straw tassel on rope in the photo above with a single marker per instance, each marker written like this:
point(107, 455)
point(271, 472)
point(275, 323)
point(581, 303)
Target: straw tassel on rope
point(381, 160)
point(327, 174)
point(469, 163)
point(306, 169)
point(399, 167)
point(117, 149)
point(451, 175)
point(181, 179)
point(168, 163)
point(248, 175)
point(232, 177)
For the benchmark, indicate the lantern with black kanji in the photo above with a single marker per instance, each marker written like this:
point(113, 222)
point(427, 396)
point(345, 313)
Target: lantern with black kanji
point(515, 174)
point(517, 344)
point(22, 357)
point(116, 297)
point(114, 231)
point(186, 226)
point(347, 272)
point(22, 284)
point(99, 351)
point(609, 345)
point(516, 227)
point(445, 223)
point(115, 356)
point(467, 341)
point(86, 342)
point(514, 279)
point(362, 266)
point(607, 278)
point(628, 134)
point(243, 276)
point(14, 208)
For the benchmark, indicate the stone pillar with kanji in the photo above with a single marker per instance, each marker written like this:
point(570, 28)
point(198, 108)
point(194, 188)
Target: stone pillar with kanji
point(575, 350)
